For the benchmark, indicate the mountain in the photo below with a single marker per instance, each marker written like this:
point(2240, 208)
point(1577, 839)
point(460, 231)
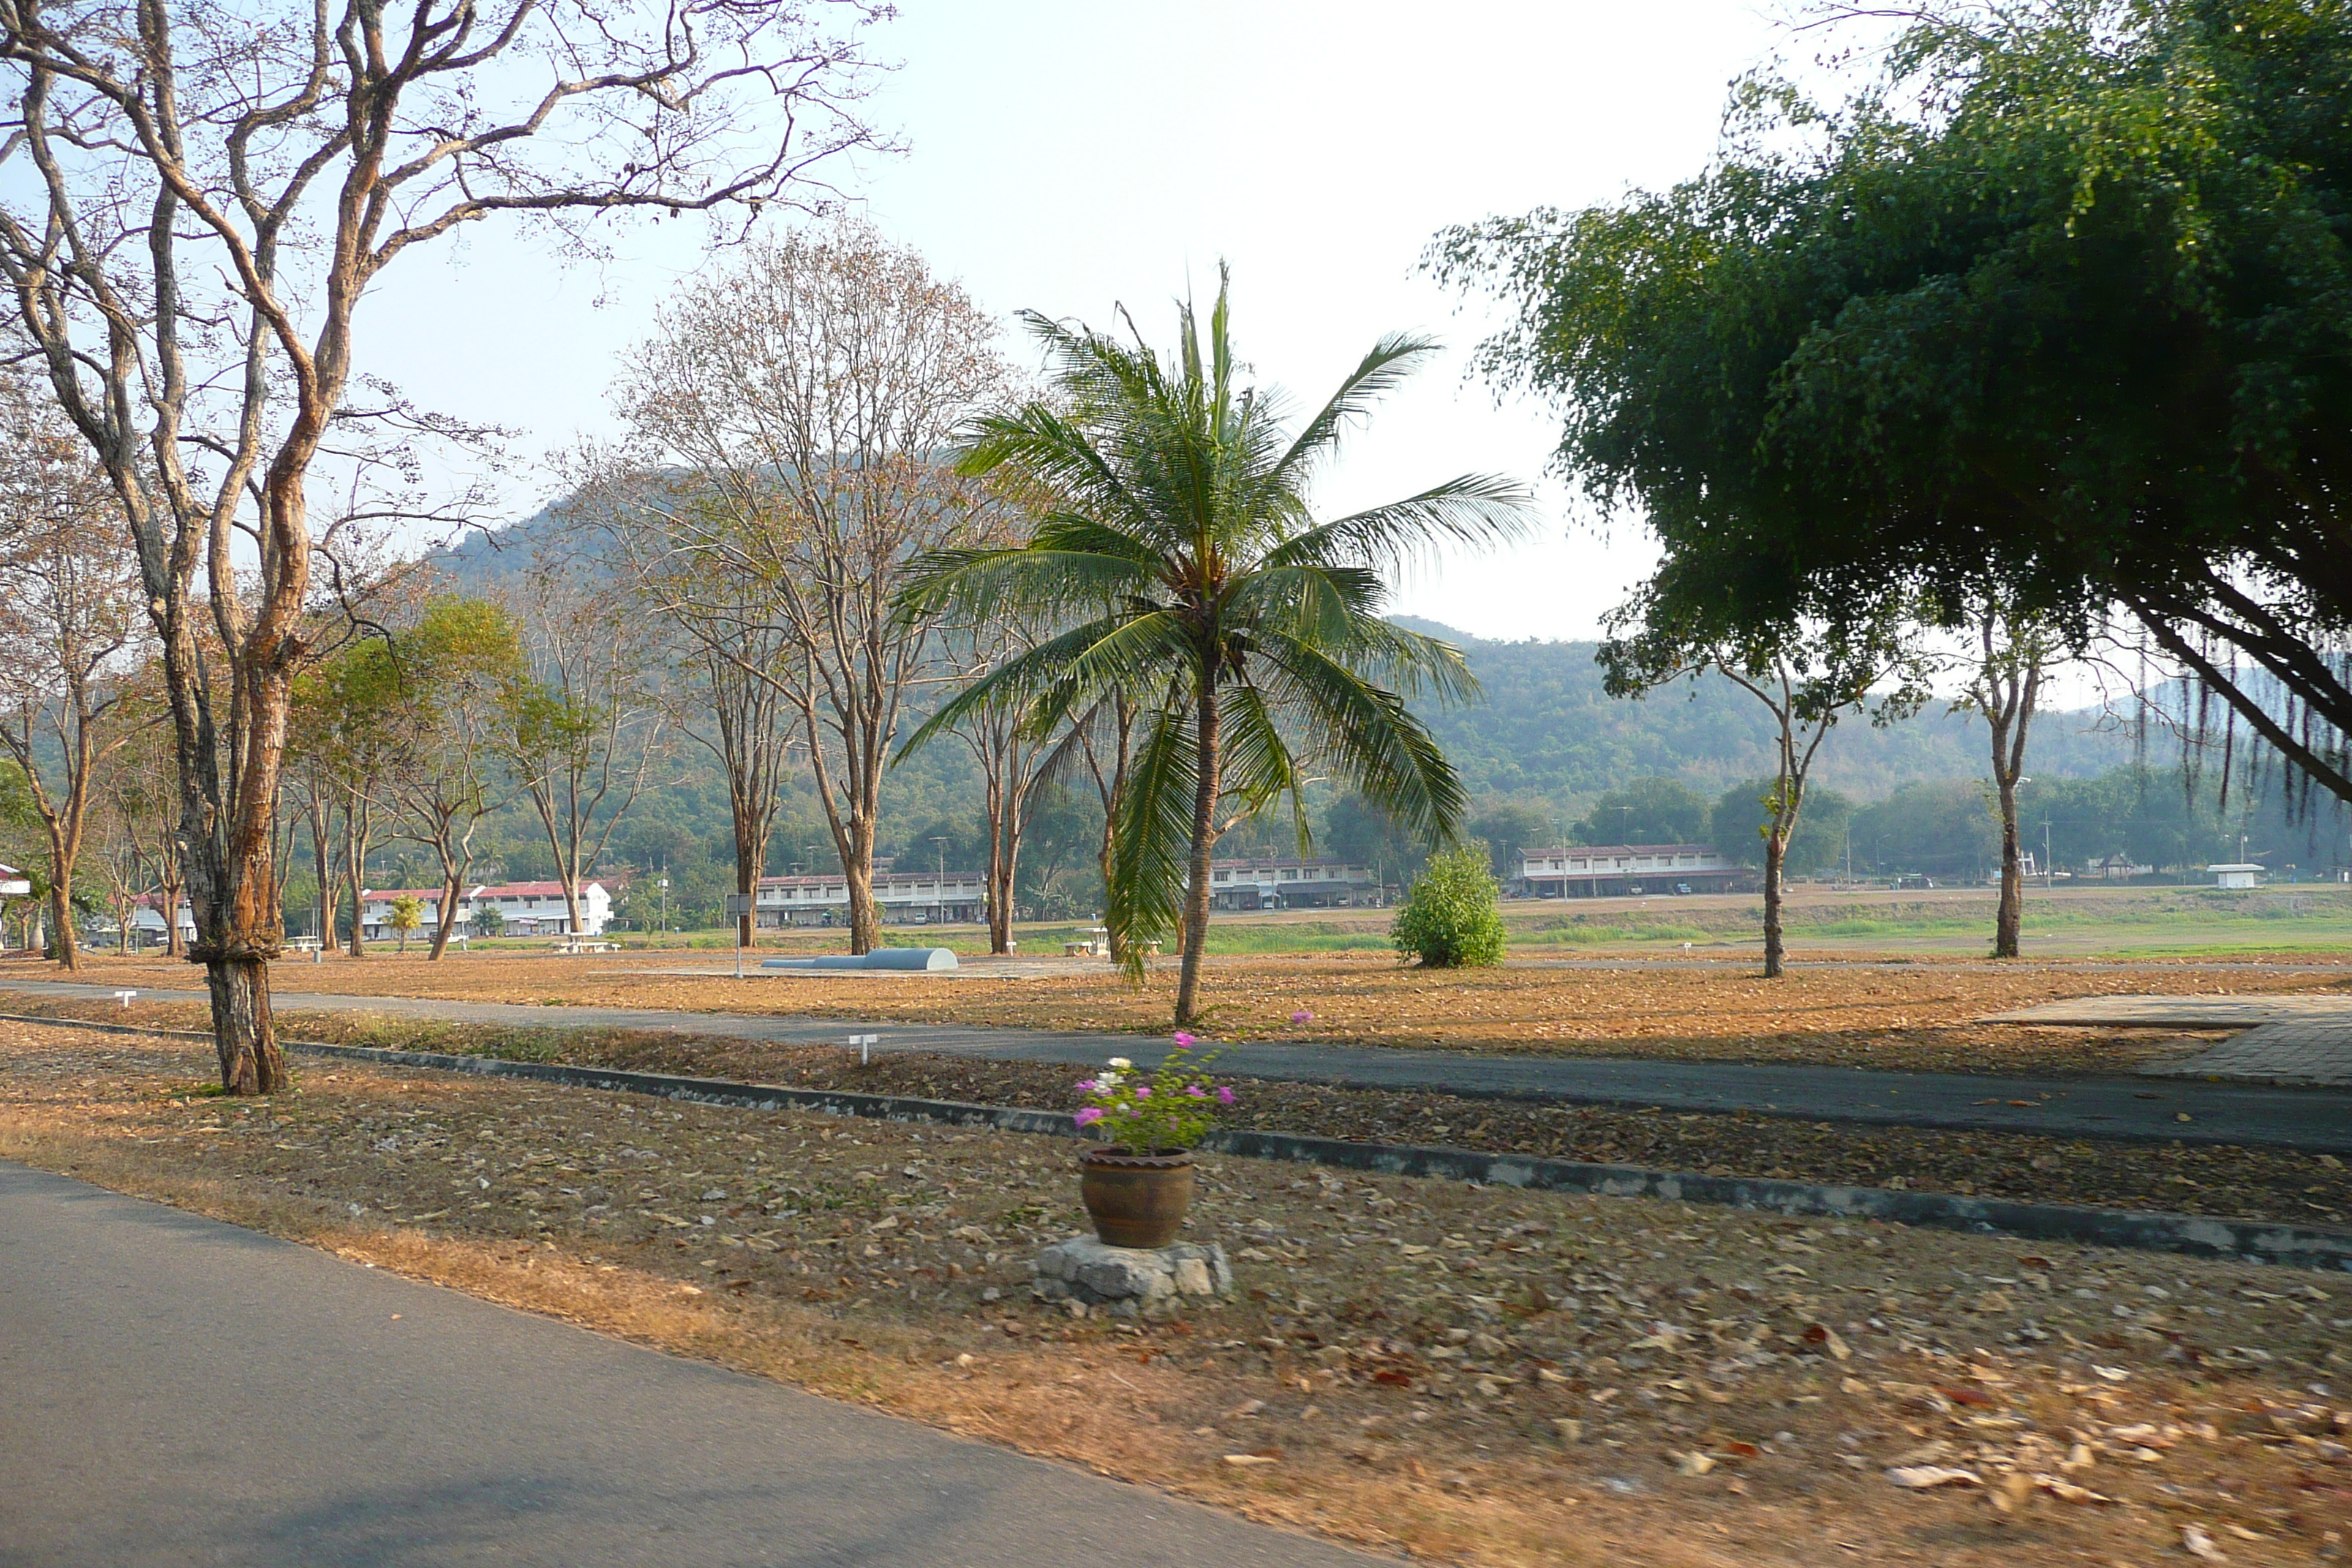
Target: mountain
point(1546, 729)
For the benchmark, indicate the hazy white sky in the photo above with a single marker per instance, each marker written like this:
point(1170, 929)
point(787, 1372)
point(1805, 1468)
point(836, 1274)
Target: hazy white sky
point(1069, 156)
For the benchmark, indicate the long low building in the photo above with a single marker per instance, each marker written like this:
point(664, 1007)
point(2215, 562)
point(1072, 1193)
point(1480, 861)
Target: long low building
point(525, 909)
point(1608, 870)
point(1292, 885)
point(907, 898)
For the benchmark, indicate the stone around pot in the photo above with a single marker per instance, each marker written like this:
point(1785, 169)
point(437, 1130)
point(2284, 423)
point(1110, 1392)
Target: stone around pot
point(1137, 1200)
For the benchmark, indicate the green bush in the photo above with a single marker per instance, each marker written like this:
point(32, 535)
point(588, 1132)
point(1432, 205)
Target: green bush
point(1449, 919)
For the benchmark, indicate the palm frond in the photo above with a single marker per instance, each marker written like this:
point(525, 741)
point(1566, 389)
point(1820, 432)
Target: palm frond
point(1380, 373)
point(1368, 734)
point(1151, 846)
point(1476, 510)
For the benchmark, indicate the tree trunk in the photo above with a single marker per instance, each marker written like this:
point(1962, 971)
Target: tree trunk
point(857, 872)
point(62, 946)
point(1103, 858)
point(747, 888)
point(173, 888)
point(1776, 848)
point(354, 869)
point(2009, 922)
point(250, 1062)
point(453, 883)
point(1204, 842)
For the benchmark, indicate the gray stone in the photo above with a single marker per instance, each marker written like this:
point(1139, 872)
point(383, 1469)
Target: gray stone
point(1126, 1279)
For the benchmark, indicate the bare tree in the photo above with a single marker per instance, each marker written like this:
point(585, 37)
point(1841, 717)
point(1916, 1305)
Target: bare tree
point(581, 732)
point(69, 624)
point(740, 653)
point(1013, 758)
point(462, 662)
point(2004, 684)
point(1808, 677)
point(813, 392)
point(200, 201)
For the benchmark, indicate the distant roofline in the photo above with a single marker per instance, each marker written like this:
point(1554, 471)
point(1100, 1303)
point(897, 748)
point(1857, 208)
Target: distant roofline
point(1592, 850)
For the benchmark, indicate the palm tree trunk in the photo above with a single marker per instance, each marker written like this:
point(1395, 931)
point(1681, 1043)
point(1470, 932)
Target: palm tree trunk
point(1204, 841)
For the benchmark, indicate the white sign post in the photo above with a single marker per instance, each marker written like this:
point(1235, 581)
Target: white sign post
point(739, 907)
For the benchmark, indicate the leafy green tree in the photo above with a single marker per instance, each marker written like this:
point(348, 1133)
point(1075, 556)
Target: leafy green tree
point(1448, 920)
point(407, 914)
point(1740, 824)
point(1647, 811)
point(1507, 826)
point(1183, 545)
point(1357, 831)
point(1943, 827)
point(2053, 312)
point(460, 664)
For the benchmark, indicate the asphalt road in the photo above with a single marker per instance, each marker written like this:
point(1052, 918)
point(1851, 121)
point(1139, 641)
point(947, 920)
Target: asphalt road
point(180, 1392)
point(2316, 1120)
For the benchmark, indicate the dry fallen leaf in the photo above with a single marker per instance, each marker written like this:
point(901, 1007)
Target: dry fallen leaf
point(1247, 1459)
point(2196, 1543)
point(1923, 1478)
point(1692, 1464)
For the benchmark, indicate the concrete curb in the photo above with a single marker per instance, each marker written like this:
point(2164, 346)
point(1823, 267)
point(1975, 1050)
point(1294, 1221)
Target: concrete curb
point(2193, 1236)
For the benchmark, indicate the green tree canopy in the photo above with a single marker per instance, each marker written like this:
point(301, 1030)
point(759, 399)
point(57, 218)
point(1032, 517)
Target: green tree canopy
point(1182, 551)
point(2059, 310)
point(1647, 811)
point(1738, 824)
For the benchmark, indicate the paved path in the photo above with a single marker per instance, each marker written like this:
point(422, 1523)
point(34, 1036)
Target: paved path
point(2302, 1039)
point(181, 1392)
point(2316, 1120)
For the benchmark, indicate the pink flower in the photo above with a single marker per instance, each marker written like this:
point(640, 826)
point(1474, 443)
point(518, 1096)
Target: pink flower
point(1302, 1017)
point(1184, 1042)
point(1226, 1095)
point(1087, 1086)
point(1196, 1091)
point(1087, 1117)
point(1143, 1092)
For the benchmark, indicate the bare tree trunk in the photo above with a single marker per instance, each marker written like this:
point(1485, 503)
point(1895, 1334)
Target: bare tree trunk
point(62, 946)
point(857, 871)
point(174, 889)
point(1776, 848)
point(355, 874)
point(1204, 843)
point(2010, 921)
point(243, 1035)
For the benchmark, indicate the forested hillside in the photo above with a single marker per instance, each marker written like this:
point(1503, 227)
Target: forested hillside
point(1544, 745)
point(1546, 729)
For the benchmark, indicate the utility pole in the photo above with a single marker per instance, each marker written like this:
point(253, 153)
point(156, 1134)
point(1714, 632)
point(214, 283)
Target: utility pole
point(940, 887)
point(2049, 871)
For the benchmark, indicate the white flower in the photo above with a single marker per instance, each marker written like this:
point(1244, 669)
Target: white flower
point(1121, 1063)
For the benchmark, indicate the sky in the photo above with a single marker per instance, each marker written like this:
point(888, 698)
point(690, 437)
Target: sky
point(1069, 156)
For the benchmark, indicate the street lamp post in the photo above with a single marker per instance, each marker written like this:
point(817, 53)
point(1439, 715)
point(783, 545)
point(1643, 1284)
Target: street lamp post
point(939, 885)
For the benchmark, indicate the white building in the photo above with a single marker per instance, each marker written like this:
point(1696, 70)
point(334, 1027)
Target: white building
point(529, 909)
point(1599, 870)
point(147, 920)
point(1291, 885)
point(907, 898)
point(2243, 875)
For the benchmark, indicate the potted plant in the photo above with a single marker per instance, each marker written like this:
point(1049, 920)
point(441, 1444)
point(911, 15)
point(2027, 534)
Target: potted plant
point(1138, 1186)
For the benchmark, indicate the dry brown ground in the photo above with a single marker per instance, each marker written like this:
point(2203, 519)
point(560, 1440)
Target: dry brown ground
point(1477, 1375)
point(2237, 1181)
point(1913, 1017)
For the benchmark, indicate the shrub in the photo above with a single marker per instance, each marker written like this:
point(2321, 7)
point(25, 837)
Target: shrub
point(1449, 919)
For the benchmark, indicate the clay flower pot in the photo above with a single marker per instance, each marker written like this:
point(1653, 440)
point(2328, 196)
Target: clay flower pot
point(1136, 1200)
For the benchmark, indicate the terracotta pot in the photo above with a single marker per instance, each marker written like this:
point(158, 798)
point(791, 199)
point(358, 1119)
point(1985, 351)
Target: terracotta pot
point(1137, 1200)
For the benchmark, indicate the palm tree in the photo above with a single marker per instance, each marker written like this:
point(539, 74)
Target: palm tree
point(1180, 541)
